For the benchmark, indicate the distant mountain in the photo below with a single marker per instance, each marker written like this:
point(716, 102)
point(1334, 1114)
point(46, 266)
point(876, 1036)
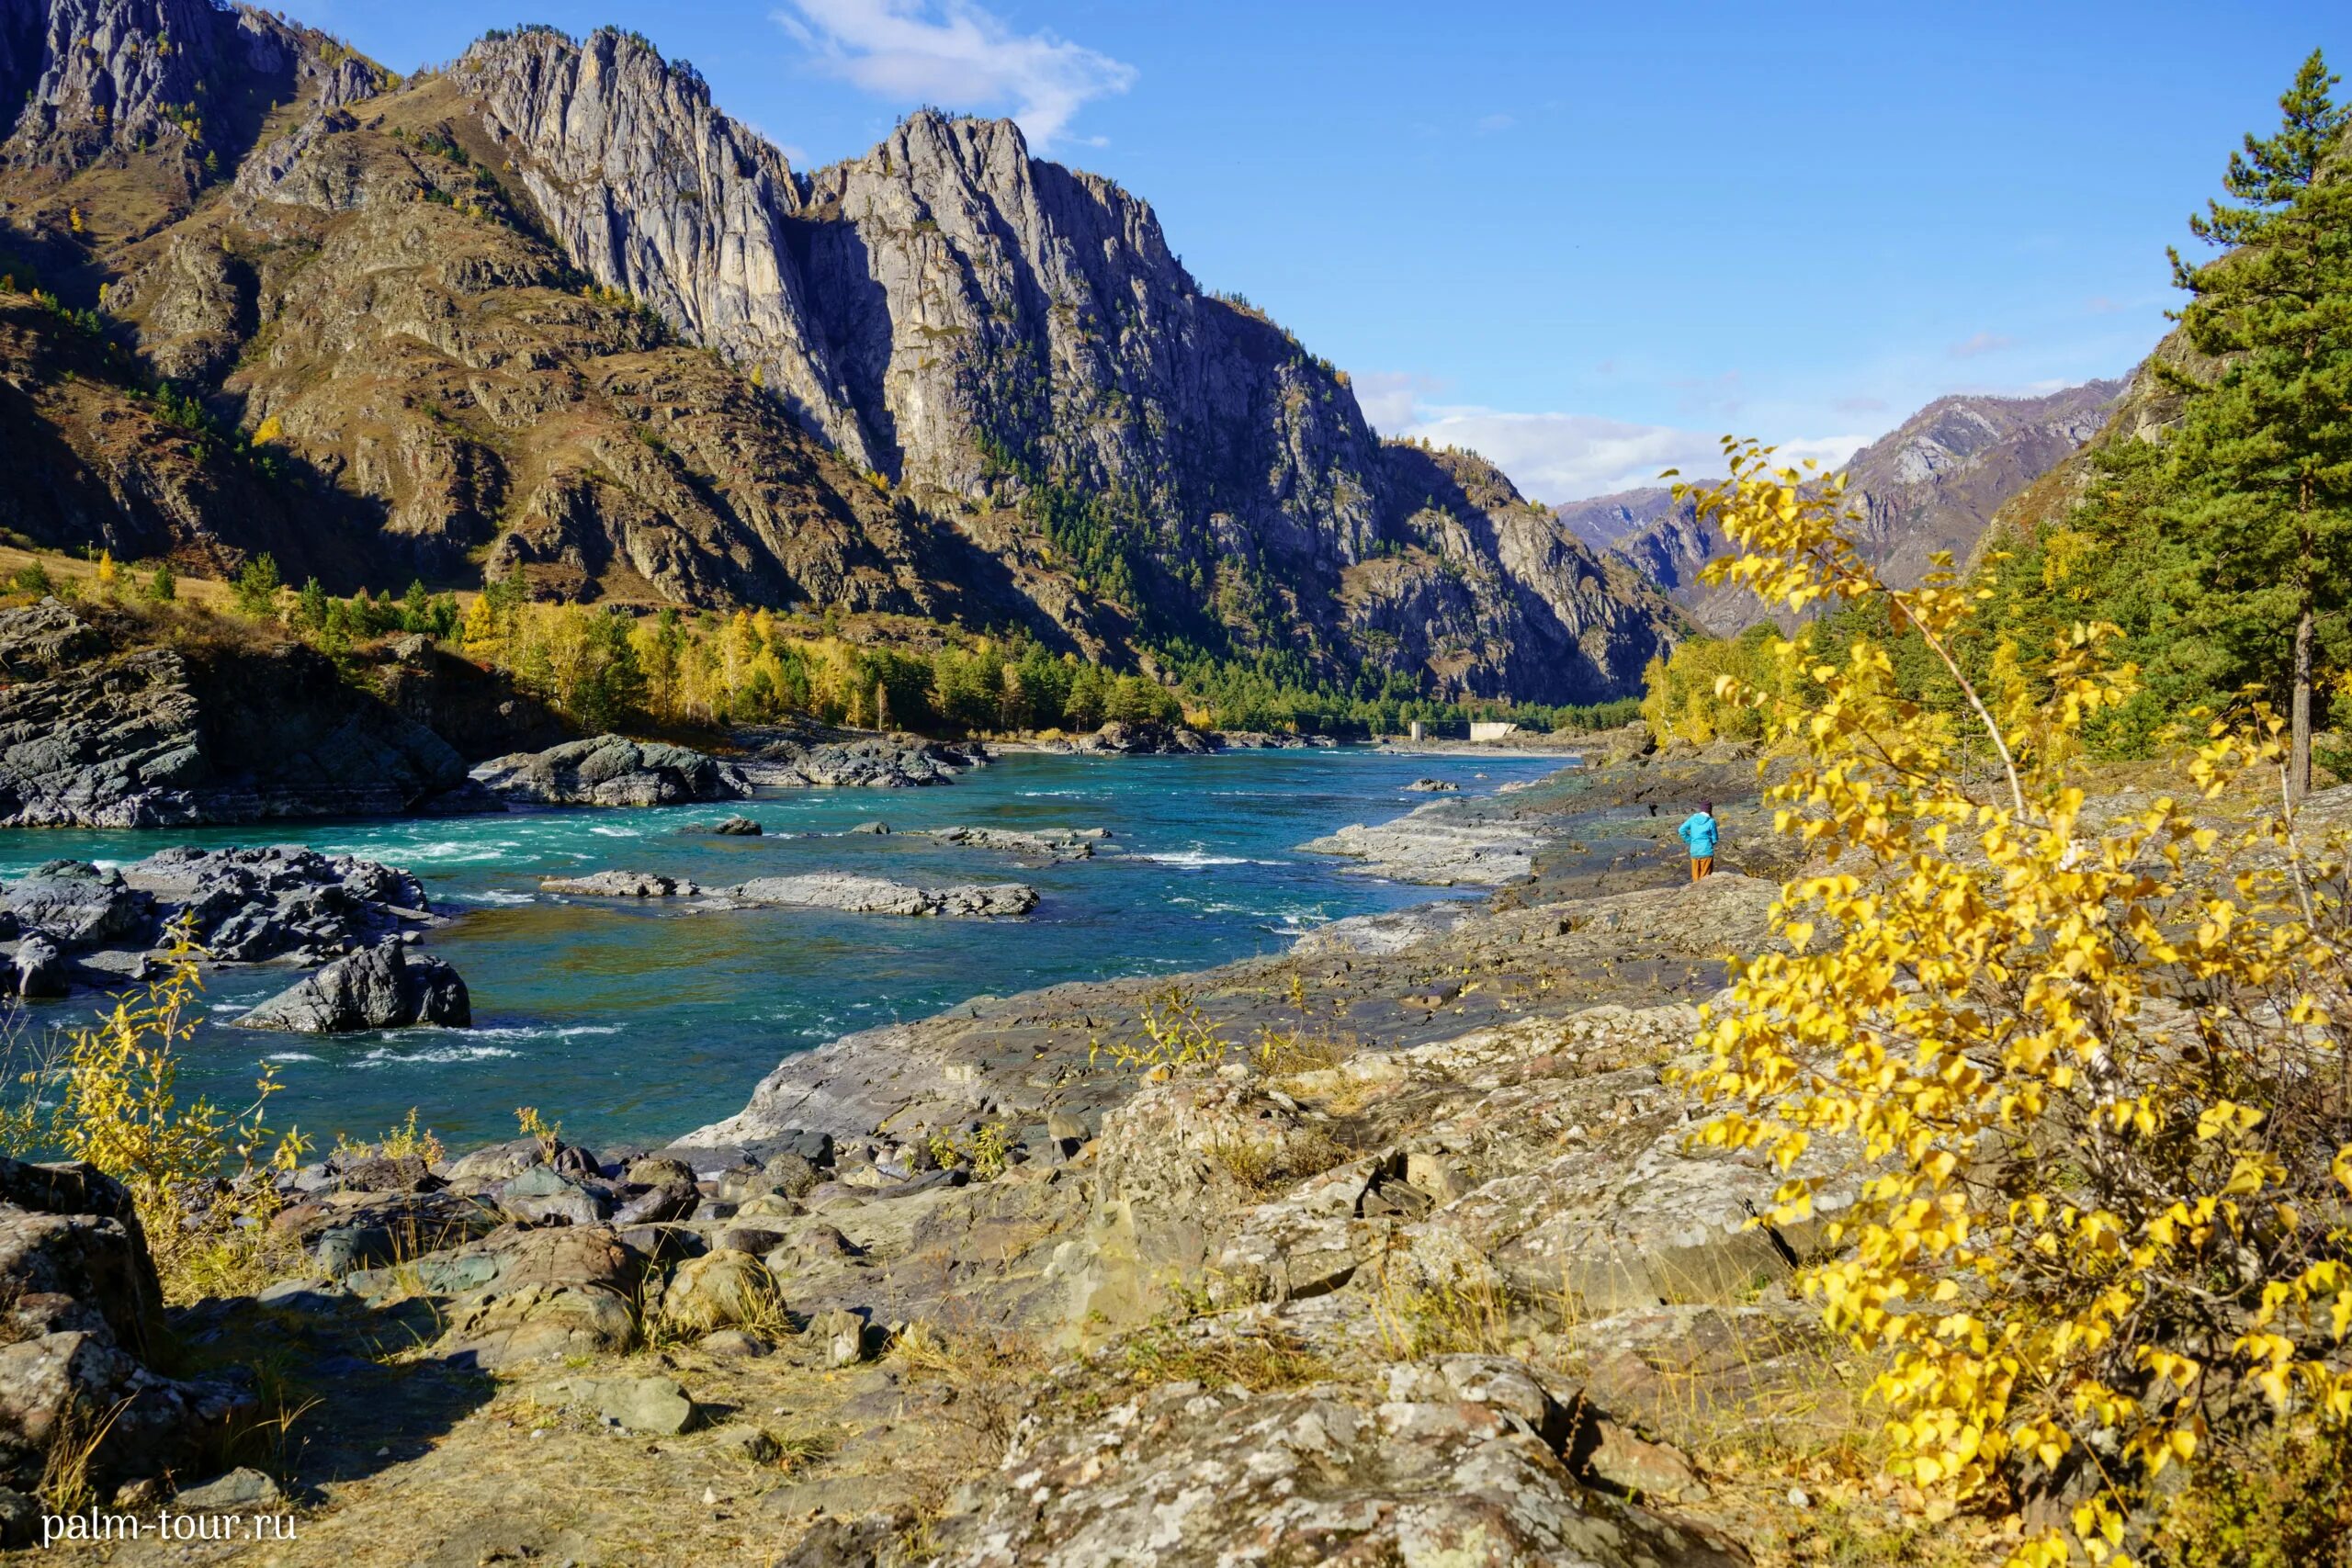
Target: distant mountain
point(551, 312)
point(1605, 522)
point(2144, 410)
point(1933, 483)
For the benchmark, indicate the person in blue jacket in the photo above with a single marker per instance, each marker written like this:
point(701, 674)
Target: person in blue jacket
point(1700, 830)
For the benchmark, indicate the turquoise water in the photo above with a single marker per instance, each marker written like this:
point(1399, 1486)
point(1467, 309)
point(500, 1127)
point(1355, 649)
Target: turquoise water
point(640, 1022)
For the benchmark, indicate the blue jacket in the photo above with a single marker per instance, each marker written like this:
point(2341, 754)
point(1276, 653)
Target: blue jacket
point(1700, 831)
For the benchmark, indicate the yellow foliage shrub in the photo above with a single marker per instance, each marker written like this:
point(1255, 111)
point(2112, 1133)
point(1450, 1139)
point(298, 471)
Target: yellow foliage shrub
point(2093, 1078)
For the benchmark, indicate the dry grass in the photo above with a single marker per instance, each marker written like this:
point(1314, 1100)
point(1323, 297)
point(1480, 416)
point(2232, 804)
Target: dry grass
point(986, 1378)
point(65, 1487)
point(1288, 1053)
point(1452, 1317)
point(1260, 1362)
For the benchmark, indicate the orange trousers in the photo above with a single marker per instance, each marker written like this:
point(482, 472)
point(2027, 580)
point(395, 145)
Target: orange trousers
point(1702, 865)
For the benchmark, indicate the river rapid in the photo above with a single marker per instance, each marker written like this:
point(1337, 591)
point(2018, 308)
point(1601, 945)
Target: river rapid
point(636, 1021)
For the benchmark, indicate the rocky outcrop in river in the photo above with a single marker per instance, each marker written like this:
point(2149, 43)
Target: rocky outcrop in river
point(814, 890)
point(1043, 844)
point(612, 769)
point(75, 923)
point(813, 756)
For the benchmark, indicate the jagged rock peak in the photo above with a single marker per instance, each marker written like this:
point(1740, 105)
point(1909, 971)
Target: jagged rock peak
point(931, 152)
point(653, 191)
point(181, 76)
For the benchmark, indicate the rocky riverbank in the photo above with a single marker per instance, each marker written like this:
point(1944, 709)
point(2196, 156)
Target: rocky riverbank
point(102, 725)
point(1484, 1092)
point(1602, 824)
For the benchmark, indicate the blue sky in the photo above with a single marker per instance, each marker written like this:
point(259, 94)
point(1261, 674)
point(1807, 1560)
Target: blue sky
point(1584, 240)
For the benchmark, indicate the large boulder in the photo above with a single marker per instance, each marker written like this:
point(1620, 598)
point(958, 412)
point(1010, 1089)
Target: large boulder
point(652, 1405)
point(612, 769)
point(519, 1295)
point(722, 1289)
point(40, 968)
point(358, 1229)
point(79, 904)
point(538, 1323)
point(544, 1194)
point(510, 1259)
point(83, 1319)
point(385, 986)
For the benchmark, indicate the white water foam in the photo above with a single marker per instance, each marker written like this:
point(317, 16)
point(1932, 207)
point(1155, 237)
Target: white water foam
point(1197, 859)
point(541, 1032)
point(438, 1056)
point(452, 852)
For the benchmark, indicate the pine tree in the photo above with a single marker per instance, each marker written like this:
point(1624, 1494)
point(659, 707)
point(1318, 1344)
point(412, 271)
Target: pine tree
point(2263, 460)
point(256, 586)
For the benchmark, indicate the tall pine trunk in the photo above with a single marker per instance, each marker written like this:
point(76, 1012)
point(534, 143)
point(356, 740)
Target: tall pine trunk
point(2299, 756)
point(2298, 760)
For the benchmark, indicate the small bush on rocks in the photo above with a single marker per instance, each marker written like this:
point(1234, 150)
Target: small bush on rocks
point(400, 1142)
point(1180, 1352)
point(985, 1152)
point(201, 1174)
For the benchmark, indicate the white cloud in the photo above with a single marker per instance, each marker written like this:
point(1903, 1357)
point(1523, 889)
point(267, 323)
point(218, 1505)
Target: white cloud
point(1982, 343)
point(954, 54)
point(1559, 457)
point(1490, 124)
point(1391, 400)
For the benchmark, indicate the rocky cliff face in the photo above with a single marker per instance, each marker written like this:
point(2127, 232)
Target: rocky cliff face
point(1933, 484)
point(553, 311)
point(100, 731)
point(1487, 592)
